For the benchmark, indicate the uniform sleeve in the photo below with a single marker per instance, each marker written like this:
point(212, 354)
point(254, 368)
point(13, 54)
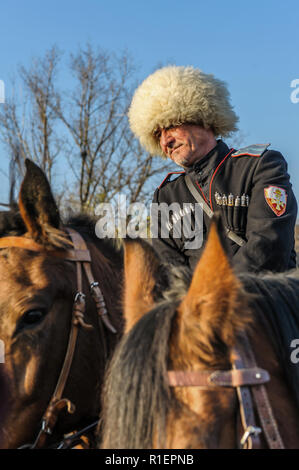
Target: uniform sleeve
point(166, 248)
point(270, 237)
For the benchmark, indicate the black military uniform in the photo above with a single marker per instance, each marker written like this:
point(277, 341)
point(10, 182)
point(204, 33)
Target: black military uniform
point(252, 191)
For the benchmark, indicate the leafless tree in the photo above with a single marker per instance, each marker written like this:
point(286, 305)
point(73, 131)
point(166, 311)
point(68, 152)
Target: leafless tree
point(104, 157)
point(27, 119)
point(83, 132)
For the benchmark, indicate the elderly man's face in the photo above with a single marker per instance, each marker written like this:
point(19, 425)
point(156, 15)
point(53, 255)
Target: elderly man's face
point(187, 143)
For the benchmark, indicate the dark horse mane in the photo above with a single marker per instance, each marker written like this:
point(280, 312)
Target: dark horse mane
point(138, 369)
point(275, 297)
point(139, 366)
point(11, 224)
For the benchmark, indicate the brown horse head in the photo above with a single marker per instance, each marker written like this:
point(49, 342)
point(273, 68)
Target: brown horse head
point(36, 299)
point(194, 327)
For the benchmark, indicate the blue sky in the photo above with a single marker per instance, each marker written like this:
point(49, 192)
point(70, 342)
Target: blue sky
point(253, 46)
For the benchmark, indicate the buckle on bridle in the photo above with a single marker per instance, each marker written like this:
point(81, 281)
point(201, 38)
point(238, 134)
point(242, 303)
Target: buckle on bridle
point(250, 431)
point(79, 296)
point(45, 428)
point(93, 285)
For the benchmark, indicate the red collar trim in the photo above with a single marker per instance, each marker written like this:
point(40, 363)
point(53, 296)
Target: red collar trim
point(213, 176)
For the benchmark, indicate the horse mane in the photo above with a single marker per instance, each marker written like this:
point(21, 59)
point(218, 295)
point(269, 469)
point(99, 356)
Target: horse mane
point(138, 371)
point(12, 224)
point(275, 298)
point(139, 366)
point(85, 224)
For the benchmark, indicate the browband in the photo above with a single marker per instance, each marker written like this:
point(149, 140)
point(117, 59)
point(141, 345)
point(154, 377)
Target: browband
point(29, 244)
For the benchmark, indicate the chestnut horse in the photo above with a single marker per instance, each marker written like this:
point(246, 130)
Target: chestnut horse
point(162, 389)
point(38, 286)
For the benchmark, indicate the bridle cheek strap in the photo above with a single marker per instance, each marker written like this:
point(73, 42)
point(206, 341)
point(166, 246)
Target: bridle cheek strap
point(264, 410)
point(56, 402)
point(96, 292)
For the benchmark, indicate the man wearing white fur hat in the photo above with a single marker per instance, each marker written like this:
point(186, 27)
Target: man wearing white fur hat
point(178, 113)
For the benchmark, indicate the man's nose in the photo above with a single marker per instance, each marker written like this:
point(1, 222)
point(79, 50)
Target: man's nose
point(166, 138)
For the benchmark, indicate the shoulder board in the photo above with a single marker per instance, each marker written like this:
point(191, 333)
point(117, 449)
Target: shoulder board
point(255, 150)
point(167, 179)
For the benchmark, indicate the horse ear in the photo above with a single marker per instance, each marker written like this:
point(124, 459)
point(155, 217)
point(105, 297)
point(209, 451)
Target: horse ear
point(37, 205)
point(213, 292)
point(141, 273)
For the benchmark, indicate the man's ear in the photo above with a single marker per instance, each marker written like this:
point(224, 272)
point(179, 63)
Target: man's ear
point(142, 267)
point(37, 205)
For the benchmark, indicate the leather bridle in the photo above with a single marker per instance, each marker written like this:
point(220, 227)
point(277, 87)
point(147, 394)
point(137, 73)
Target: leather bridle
point(81, 256)
point(248, 380)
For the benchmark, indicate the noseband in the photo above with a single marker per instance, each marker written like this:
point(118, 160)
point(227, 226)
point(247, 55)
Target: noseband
point(81, 256)
point(248, 380)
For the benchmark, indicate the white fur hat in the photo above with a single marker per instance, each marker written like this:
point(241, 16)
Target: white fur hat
point(176, 95)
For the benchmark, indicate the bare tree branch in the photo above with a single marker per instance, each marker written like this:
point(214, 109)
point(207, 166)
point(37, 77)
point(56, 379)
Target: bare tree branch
point(82, 132)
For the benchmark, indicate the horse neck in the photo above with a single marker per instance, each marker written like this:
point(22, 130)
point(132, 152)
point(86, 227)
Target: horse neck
point(280, 396)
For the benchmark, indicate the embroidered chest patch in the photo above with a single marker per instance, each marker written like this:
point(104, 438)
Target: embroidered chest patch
point(276, 199)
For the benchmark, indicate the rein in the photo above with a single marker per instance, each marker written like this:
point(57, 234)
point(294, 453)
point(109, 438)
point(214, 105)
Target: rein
point(249, 380)
point(81, 256)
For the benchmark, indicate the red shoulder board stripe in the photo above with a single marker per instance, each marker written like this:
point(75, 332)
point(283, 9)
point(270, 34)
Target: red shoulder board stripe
point(169, 175)
point(255, 150)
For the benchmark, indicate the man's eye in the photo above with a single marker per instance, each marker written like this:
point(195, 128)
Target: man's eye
point(157, 134)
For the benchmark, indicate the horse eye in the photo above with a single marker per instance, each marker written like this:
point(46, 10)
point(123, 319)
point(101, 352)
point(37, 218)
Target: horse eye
point(32, 316)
